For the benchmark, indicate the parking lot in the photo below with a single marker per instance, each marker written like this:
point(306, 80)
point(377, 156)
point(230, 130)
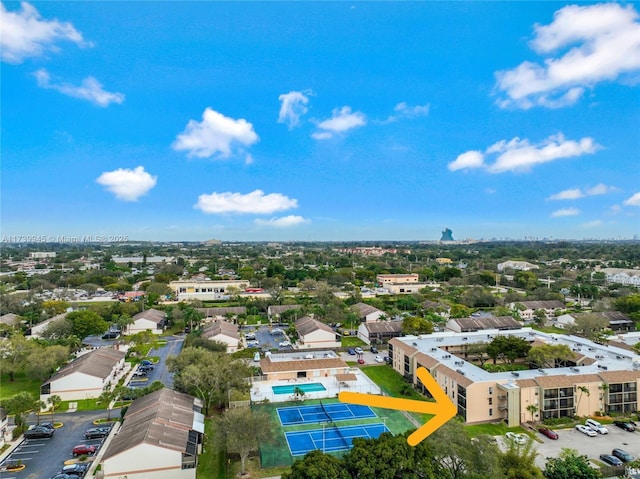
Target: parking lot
point(592, 447)
point(44, 458)
point(266, 339)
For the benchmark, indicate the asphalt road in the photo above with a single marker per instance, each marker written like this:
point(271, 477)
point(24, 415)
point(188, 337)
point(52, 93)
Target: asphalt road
point(160, 371)
point(45, 457)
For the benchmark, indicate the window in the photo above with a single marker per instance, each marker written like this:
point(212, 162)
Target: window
point(490, 411)
point(490, 401)
point(490, 390)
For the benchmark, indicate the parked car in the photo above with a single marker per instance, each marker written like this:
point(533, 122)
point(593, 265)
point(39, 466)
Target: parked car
point(145, 367)
point(586, 430)
point(284, 344)
point(77, 470)
point(516, 438)
point(277, 331)
point(37, 432)
point(387, 359)
point(360, 361)
point(82, 449)
point(146, 362)
point(548, 432)
point(48, 425)
point(253, 344)
point(351, 351)
point(626, 425)
point(596, 426)
point(379, 359)
point(111, 335)
point(611, 460)
point(140, 374)
point(373, 349)
point(359, 350)
point(623, 455)
point(250, 336)
point(97, 432)
point(62, 476)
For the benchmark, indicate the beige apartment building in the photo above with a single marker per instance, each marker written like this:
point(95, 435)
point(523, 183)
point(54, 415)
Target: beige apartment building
point(600, 378)
point(385, 280)
point(206, 290)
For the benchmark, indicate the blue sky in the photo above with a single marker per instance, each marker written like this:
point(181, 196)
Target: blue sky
point(320, 121)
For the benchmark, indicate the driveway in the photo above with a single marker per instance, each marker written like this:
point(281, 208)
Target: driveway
point(160, 371)
point(45, 457)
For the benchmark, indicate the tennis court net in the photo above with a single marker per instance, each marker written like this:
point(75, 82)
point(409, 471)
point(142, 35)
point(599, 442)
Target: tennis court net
point(345, 442)
point(325, 411)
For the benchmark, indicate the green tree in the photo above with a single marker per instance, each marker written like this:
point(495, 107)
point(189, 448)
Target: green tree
point(526, 280)
point(549, 355)
point(53, 307)
point(241, 430)
point(416, 325)
point(533, 409)
point(317, 465)
point(508, 348)
point(54, 400)
point(59, 329)
point(518, 462)
point(589, 324)
point(19, 404)
point(13, 354)
point(87, 323)
point(106, 397)
point(43, 361)
point(209, 376)
point(570, 465)
point(389, 457)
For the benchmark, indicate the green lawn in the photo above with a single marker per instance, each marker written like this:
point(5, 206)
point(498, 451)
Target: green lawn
point(21, 383)
point(352, 341)
point(496, 429)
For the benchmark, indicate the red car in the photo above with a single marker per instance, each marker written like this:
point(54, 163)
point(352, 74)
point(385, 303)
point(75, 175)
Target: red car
point(360, 361)
point(83, 449)
point(548, 432)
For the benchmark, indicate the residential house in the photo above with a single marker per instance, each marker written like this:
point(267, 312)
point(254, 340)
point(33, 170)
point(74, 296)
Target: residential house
point(37, 329)
point(85, 377)
point(149, 320)
point(527, 309)
point(160, 438)
point(630, 277)
point(367, 313)
point(211, 314)
point(313, 334)
point(379, 332)
point(618, 322)
point(274, 311)
point(223, 332)
point(302, 365)
point(465, 325)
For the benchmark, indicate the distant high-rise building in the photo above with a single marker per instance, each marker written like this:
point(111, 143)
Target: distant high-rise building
point(447, 235)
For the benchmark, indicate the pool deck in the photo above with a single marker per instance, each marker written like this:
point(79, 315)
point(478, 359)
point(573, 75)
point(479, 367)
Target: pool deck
point(261, 390)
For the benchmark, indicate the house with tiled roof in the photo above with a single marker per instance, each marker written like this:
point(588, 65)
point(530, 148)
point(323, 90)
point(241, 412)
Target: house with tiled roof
point(379, 332)
point(302, 365)
point(223, 332)
point(527, 309)
point(86, 376)
point(314, 334)
point(160, 438)
point(149, 320)
point(465, 325)
point(367, 313)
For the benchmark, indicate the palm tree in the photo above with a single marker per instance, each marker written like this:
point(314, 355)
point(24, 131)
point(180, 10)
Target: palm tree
point(107, 396)
point(604, 387)
point(582, 390)
point(55, 401)
point(40, 405)
point(533, 409)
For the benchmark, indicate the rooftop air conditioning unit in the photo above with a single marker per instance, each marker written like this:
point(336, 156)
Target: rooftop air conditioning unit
point(575, 370)
point(460, 371)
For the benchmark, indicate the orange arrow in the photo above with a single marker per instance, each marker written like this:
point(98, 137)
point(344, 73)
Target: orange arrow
point(442, 409)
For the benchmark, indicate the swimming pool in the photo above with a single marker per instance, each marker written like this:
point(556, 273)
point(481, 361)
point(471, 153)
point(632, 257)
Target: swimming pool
point(307, 388)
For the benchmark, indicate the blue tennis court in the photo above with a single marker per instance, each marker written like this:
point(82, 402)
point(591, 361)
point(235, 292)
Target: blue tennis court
point(323, 413)
point(331, 438)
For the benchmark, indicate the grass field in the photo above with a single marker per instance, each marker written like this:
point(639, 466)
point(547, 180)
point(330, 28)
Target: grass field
point(21, 383)
point(352, 341)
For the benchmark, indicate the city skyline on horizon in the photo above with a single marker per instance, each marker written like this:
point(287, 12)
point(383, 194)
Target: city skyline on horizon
point(320, 122)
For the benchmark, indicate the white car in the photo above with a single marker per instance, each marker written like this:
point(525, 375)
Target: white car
point(520, 439)
point(379, 359)
point(276, 331)
point(596, 426)
point(283, 344)
point(586, 430)
point(359, 350)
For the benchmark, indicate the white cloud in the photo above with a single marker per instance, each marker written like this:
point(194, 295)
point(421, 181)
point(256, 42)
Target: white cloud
point(402, 110)
point(90, 89)
point(565, 212)
point(292, 107)
point(600, 43)
point(593, 224)
point(341, 120)
point(520, 156)
point(467, 160)
point(216, 134)
point(25, 34)
point(255, 202)
point(282, 222)
point(633, 200)
point(577, 193)
point(126, 184)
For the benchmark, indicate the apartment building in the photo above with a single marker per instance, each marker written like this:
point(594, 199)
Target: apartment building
point(600, 378)
point(206, 290)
